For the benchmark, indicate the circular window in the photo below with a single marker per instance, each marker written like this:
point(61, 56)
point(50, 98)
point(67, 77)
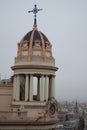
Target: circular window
point(52, 109)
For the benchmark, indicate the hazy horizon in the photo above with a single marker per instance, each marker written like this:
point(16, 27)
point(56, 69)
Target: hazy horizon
point(64, 22)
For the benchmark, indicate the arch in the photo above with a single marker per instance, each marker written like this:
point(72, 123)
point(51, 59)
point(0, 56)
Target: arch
point(22, 86)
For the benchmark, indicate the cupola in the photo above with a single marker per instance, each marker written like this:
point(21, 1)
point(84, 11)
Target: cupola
point(34, 48)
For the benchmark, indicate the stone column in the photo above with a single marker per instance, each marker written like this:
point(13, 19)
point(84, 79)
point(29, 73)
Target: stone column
point(46, 88)
point(53, 87)
point(18, 89)
point(26, 88)
point(38, 88)
point(31, 88)
point(42, 89)
point(14, 87)
point(49, 88)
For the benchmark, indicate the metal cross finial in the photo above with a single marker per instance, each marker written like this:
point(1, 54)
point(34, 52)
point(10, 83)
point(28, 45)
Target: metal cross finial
point(35, 11)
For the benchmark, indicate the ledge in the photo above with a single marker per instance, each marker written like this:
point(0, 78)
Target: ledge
point(27, 103)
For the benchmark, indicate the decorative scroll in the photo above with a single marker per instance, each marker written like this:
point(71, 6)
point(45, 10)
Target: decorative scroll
point(51, 110)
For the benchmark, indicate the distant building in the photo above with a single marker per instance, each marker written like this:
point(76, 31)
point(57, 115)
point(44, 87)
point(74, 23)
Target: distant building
point(76, 109)
point(19, 107)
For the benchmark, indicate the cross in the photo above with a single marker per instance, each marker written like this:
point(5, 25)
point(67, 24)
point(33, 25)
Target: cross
point(35, 11)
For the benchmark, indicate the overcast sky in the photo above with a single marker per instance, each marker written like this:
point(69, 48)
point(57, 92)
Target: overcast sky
point(64, 22)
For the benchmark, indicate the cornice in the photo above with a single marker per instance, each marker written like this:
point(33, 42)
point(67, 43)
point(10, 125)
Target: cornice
point(34, 67)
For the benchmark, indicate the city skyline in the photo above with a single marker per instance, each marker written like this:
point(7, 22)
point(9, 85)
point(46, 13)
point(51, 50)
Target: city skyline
point(65, 25)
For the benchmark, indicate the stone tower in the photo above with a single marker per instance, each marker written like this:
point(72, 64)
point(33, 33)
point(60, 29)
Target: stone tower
point(35, 60)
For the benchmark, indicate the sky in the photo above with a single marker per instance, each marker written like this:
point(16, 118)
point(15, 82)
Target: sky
point(64, 22)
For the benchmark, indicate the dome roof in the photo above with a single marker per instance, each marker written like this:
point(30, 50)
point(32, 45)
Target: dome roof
point(35, 36)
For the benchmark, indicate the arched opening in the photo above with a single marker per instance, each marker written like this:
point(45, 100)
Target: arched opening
point(22, 87)
point(34, 88)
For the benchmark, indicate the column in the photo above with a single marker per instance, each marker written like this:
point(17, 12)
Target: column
point(18, 88)
point(46, 88)
point(42, 89)
point(26, 88)
point(38, 88)
point(14, 87)
point(49, 88)
point(53, 87)
point(31, 88)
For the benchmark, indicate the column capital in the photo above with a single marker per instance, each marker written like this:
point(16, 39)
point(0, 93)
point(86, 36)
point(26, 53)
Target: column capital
point(46, 75)
point(15, 75)
point(27, 74)
point(42, 75)
point(31, 74)
point(52, 76)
